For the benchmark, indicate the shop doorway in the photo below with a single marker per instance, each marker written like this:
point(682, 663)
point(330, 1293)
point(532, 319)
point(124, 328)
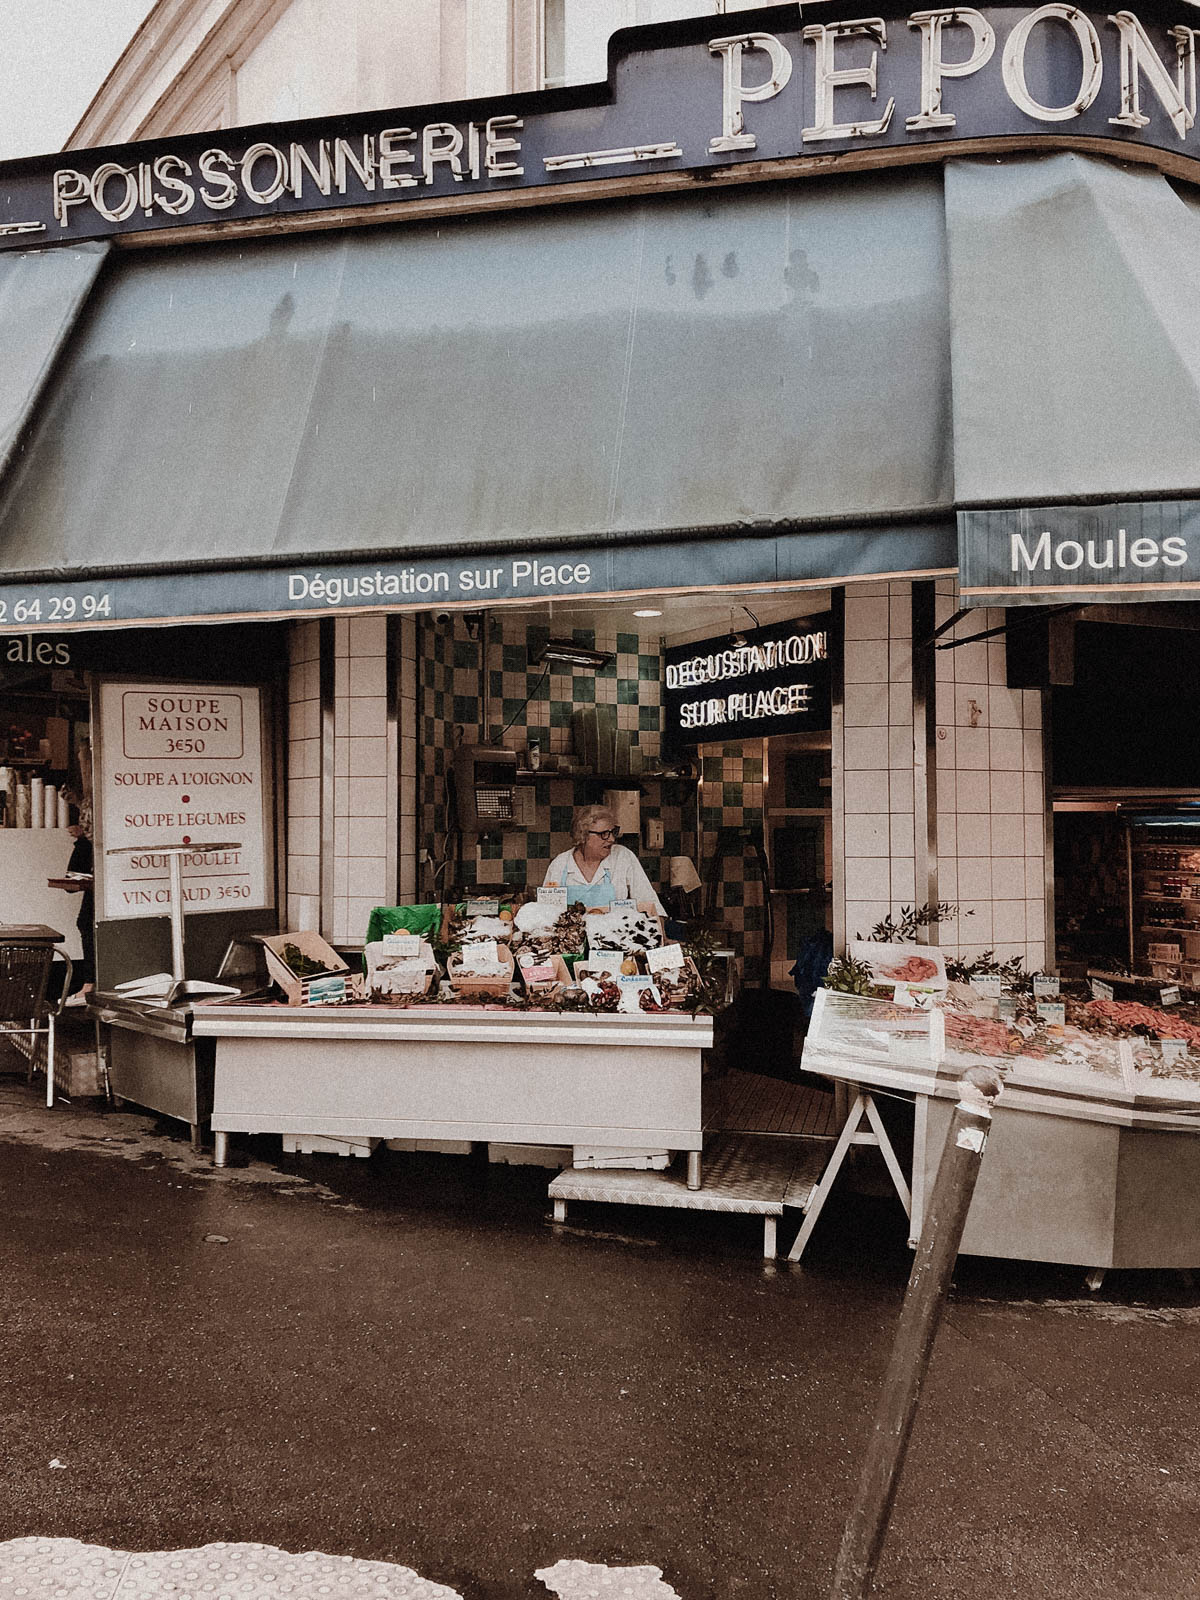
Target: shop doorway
point(736, 830)
point(1126, 769)
point(45, 781)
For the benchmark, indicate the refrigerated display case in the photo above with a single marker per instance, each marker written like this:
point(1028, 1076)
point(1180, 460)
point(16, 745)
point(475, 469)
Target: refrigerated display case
point(1094, 1155)
point(1163, 863)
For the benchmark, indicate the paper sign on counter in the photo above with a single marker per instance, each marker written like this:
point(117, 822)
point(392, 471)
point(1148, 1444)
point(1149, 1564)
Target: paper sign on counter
point(1101, 990)
point(406, 945)
point(667, 958)
point(1169, 996)
point(632, 988)
point(481, 950)
point(539, 972)
point(1052, 1011)
point(485, 908)
point(325, 991)
point(1045, 988)
point(553, 895)
point(915, 996)
point(1174, 1049)
point(988, 985)
point(1128, 1070)
point(607, 961)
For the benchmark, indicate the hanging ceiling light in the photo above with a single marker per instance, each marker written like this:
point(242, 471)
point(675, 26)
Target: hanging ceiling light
point(571, 654)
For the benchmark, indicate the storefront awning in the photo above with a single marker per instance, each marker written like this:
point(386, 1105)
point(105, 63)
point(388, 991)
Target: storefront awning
point(694, 367)
point(790, 376)
point(1074, 285)
point(41, 295)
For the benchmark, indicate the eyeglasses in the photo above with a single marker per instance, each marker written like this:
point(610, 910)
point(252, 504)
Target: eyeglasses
point(605, 833)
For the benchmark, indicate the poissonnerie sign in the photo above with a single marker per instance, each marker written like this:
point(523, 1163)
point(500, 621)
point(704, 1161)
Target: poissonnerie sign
point(781, 93)
point(1140, 550)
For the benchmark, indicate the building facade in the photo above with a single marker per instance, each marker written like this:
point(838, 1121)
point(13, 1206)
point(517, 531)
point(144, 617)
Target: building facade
point(805, 344)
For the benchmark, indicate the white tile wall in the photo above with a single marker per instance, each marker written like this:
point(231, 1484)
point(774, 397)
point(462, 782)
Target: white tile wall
point(365, 810)
point(990, 795)
point(989, 780)
point(304, 777)
point(877, 791)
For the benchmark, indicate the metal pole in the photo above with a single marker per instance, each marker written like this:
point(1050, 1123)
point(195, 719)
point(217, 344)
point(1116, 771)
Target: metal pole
point(175, 862)
point(924, 1301)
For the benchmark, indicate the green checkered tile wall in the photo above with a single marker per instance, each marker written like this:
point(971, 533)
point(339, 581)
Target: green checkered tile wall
point(541, 707)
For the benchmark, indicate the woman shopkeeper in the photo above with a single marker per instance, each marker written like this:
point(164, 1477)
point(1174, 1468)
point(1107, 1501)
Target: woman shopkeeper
point(598, 871)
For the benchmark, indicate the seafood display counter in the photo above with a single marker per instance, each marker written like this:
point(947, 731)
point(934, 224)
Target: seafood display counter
point(1095, 1151)
point(1094, 1157)
point(457, 1072)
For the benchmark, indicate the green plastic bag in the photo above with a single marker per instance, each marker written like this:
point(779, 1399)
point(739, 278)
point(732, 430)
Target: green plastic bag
point(423, 920)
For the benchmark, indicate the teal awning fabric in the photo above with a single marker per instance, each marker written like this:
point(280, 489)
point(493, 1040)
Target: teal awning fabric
point(1074, 329)
point(41, 295)
point(848, 353)
point(754, 360)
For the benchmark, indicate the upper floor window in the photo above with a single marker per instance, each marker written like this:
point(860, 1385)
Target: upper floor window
point(576, 32)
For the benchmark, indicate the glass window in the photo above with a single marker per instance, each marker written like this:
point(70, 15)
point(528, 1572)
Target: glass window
point(576, 32)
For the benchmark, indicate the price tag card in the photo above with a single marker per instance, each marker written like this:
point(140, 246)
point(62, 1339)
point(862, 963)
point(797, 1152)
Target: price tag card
point(1128, 1070)
point(1006, 1007)
point(483, 952)
point(1174, 1049)
point(1169, 996)
point(667, 958)
point(608, 961)
point(987, 984)
point(484, 908)
point(553, 895)
point(1045, 988)
point(915, 996)
point(1052, 1011)
point(540, 972)
point(325, 991)
point(401, 944)
point(631, 990)
point(1101, 990)
point(624, 905)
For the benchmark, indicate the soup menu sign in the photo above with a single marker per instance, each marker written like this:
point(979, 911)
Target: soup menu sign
point(182, 763)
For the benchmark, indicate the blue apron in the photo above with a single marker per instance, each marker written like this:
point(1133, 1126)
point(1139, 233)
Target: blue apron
point(600, 892)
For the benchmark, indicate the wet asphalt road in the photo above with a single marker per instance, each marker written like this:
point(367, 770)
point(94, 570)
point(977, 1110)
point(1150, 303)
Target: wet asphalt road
point(402, 1360)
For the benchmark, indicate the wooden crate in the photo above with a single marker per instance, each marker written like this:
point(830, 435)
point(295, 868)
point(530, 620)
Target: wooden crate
point(468, 983)
point(297, 989)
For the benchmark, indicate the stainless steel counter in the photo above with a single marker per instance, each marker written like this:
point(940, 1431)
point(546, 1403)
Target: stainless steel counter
point(153, 1061)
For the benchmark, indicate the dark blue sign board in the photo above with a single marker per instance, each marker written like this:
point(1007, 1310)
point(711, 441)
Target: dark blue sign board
point(747, 685)
point(684, 101)
point(395, 583)
point(1053, 555)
